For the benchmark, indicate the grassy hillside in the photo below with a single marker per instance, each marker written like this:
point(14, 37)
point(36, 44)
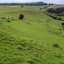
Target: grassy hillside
point(37, 39)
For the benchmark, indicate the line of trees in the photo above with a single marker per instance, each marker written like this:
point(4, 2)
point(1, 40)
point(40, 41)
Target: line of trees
point(56, 10)
point(54, 16)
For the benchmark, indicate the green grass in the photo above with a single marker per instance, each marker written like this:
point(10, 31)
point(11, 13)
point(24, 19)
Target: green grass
point(37, 39)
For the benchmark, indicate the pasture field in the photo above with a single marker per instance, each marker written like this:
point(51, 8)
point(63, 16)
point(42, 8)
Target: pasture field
point(37, 39)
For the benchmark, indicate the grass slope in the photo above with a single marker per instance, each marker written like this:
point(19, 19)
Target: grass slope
point(37, 39)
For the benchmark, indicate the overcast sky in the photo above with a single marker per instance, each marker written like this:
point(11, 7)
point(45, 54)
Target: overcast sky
point(48, 1)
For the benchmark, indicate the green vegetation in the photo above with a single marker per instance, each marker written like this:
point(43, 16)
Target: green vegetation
point(36, 39)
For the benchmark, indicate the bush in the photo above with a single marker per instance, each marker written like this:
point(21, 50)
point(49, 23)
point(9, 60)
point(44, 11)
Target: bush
point(56, 45)
point(8, 21)
point(22, 6)
point(21, 16)
point(40, 8)
point(53, 16)
point(3, 18)
point(31, 62)
point(58, 55)
point(20, 48)
point(62, 24)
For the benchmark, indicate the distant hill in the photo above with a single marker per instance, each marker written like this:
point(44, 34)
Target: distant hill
point(30, 4)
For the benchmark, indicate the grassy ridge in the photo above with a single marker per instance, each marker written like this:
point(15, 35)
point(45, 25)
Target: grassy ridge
point(34, 40)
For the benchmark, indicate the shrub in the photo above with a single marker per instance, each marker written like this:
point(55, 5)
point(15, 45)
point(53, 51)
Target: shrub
point(62, 24)
point(51, 10)
point(21, 16)
point(3, 18)
point(59, 18)
point(8, 20)
point(58, 55)
point(22, 6)
point(54, 17)
point(20, 48)
point(56, 45)
point(40, 8)
point(31, 62)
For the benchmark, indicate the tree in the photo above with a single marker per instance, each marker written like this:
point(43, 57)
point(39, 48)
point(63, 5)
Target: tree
point(21, 16)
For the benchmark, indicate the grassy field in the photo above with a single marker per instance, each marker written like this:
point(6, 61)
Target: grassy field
point(37, 39)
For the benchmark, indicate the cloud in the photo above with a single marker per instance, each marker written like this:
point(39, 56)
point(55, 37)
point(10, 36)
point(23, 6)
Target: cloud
point(54, 1)
point(19, 0)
